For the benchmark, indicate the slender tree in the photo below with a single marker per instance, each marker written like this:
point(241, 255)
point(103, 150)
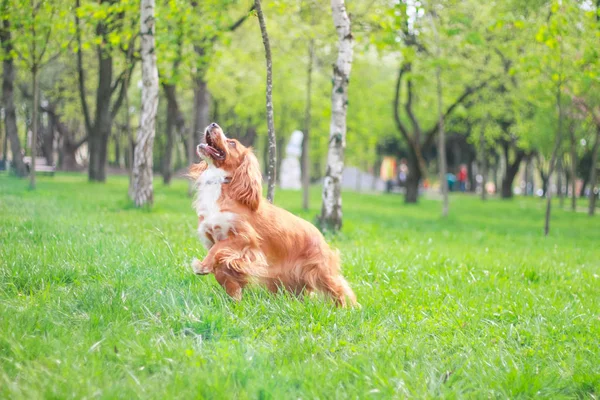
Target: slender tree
point(271, 170)
point(331, 210)
point(483, 162)
point(554, 153)
point(573, 166)
point(441, 128)
point(38, 44)
point(8, 79)
point(143, 193)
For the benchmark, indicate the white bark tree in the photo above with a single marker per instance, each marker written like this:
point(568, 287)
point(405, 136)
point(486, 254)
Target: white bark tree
point(331, 210)
point(141, 190)
point(271, 169)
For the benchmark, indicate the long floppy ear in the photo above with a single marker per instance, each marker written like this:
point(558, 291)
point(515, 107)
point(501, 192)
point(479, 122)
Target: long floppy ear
point(196, 170)
point(246, 182)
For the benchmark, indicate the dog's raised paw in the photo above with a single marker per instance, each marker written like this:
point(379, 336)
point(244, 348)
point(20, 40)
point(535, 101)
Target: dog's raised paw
point(199, 268)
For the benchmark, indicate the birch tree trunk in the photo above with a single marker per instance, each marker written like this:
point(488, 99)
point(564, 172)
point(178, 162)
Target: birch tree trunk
point(142, 167)
point(331, 211)
point(271, 170)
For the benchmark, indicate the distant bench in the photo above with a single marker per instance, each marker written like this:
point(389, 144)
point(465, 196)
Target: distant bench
point(41, 165)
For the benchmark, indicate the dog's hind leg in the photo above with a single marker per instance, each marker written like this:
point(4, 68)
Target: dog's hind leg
point(337, 288)
point(231, 281)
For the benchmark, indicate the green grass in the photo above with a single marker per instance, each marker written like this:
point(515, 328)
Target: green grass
point(97, 300)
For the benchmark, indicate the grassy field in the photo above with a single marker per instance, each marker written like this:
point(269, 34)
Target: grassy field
point(97, 300)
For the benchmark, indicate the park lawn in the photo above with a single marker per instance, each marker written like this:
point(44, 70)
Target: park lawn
point(97, 300)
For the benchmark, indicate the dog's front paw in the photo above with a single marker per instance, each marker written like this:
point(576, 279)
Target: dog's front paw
point(199, 268)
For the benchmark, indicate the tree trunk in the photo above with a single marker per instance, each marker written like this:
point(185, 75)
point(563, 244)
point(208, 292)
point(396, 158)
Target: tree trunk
point(175, 121)
point(593, 173)
point(117, 139)
point(201, 114)
point(528, 176)
point(34, 117)
point(48, 141)
point(167, 162)
point(4, 147)
point(412, 181)
point(100, 131)
point(471, 175)
point(544, 179)
point(441, 132)
point(131, 141)
point(271, 171)
point(306, 138)
point(554, 155)
point(331, 211)
point(143, 193)
point(69, 159)
point(511, 172)
point(68, 146)
point(8, 79)
point(573, 169)
point(201, 111)
point(416, 162)
point(482, 163)
point(584, 186)
point(559, 182)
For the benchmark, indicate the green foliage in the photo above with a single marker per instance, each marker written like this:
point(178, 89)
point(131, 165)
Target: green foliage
point(112, 25)
point(43, 30)
point(97, 299)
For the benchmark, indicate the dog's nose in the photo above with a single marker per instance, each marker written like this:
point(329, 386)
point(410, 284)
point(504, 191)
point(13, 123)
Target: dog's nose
point(213, 125)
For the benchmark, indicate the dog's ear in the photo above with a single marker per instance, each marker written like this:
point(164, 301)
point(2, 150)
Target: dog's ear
point(196, 170)
point(246, 182)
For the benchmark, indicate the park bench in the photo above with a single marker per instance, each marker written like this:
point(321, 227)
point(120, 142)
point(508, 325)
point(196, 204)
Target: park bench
point(41, 165)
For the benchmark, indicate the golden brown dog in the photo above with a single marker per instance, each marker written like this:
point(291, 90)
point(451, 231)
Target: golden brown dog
point(248, 238)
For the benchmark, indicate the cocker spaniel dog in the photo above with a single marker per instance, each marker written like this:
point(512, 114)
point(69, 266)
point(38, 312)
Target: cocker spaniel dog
point(247, 238)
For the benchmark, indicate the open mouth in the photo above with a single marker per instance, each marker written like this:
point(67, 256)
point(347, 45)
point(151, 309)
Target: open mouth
point(209, 148)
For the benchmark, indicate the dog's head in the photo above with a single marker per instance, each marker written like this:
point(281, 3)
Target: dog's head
point(237, 161)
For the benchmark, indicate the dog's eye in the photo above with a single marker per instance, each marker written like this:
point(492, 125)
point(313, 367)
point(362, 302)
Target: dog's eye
point(231, 143)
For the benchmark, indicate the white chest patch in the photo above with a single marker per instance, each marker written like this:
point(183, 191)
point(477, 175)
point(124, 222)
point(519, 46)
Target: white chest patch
point(214, 225)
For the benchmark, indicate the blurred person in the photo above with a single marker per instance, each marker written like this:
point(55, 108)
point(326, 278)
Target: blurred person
point(451, 179)
point(402, 172)
point(462, 178)
point(387, 172)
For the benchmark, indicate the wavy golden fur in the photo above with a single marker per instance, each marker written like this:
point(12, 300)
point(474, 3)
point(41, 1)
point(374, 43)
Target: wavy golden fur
point(264, 242)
